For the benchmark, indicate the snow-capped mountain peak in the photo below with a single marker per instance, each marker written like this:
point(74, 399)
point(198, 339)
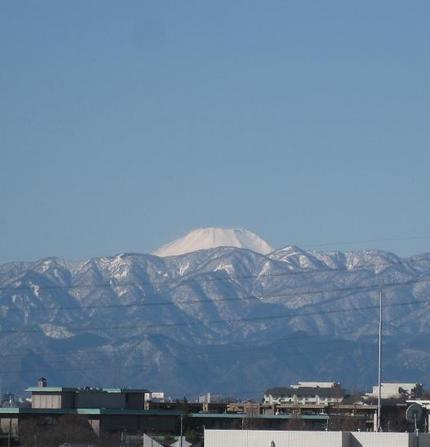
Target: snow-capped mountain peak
point(213, 237)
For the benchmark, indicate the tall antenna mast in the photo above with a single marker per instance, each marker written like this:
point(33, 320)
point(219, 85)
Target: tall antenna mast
point(379, 361)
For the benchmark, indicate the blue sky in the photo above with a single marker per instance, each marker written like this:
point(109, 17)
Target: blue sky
point(126, 124)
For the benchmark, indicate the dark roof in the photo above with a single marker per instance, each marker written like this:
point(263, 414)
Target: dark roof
point(304, 392)
point(55, 389)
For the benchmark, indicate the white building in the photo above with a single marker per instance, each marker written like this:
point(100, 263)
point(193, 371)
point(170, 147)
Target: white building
point(157, 396)
point(311, 393)
point(273, 438)
point(149, 442)
point(204, 398)
point(178, 443)
point(395, 390)
point(315, 385)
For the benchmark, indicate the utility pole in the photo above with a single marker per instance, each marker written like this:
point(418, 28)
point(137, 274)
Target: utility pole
point(9, 433)
point(378, 425)
point(181, 429)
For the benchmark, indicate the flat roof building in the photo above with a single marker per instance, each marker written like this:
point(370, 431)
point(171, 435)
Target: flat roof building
point(305, 393)
point(62, 398)
point(290, 438)
point(396, 390)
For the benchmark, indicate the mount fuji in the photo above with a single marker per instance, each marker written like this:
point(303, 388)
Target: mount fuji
point(206, 238)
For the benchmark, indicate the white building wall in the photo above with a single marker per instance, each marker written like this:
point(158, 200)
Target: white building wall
point(46, 400)
point(177, 443)
point(149, 442)
point(373, 439)
point(315, 384)
point(424, 440)
point(392, 389)
point(264, 438)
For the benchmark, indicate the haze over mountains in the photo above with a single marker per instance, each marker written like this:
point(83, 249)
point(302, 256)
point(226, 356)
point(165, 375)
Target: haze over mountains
point(233, 320)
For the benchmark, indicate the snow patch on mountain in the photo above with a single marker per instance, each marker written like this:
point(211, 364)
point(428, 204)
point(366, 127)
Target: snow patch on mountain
point(183, 268)
point(296, 258)
point(207, 238)
point(56, 332)
point(35, 289)
point(226, 268)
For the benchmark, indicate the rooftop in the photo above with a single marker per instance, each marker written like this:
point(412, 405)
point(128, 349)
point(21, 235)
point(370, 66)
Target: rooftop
point(127, 412)
point(303, 392)
point(55, 389)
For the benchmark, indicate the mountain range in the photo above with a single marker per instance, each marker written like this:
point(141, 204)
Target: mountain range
point(218, 310)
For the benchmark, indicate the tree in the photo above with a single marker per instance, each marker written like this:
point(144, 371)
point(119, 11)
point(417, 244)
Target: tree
point(48, 432)
point(296, 423)
point(168, 439)
point(192, 436)
point(346, 423)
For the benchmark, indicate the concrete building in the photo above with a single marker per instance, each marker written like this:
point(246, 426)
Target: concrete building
point(302, 384)
point(303, 393)
point(396, 390)
point(204, 398)
point(249, 408)
point(43, 396)
point(264, 438)
point(149, 442)
point(181, 443)
point(113, 411)
point(154, 396)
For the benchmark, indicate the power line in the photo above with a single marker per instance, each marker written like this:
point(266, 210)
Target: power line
point(249, 344)
point(238, 346)
point(294, 336)
point(368, 241)
point(210, 322)
point(255, 297)
point(110, 284)
point(293, 353)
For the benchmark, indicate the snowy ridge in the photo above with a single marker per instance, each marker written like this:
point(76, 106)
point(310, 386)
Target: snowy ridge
point(182, 320)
